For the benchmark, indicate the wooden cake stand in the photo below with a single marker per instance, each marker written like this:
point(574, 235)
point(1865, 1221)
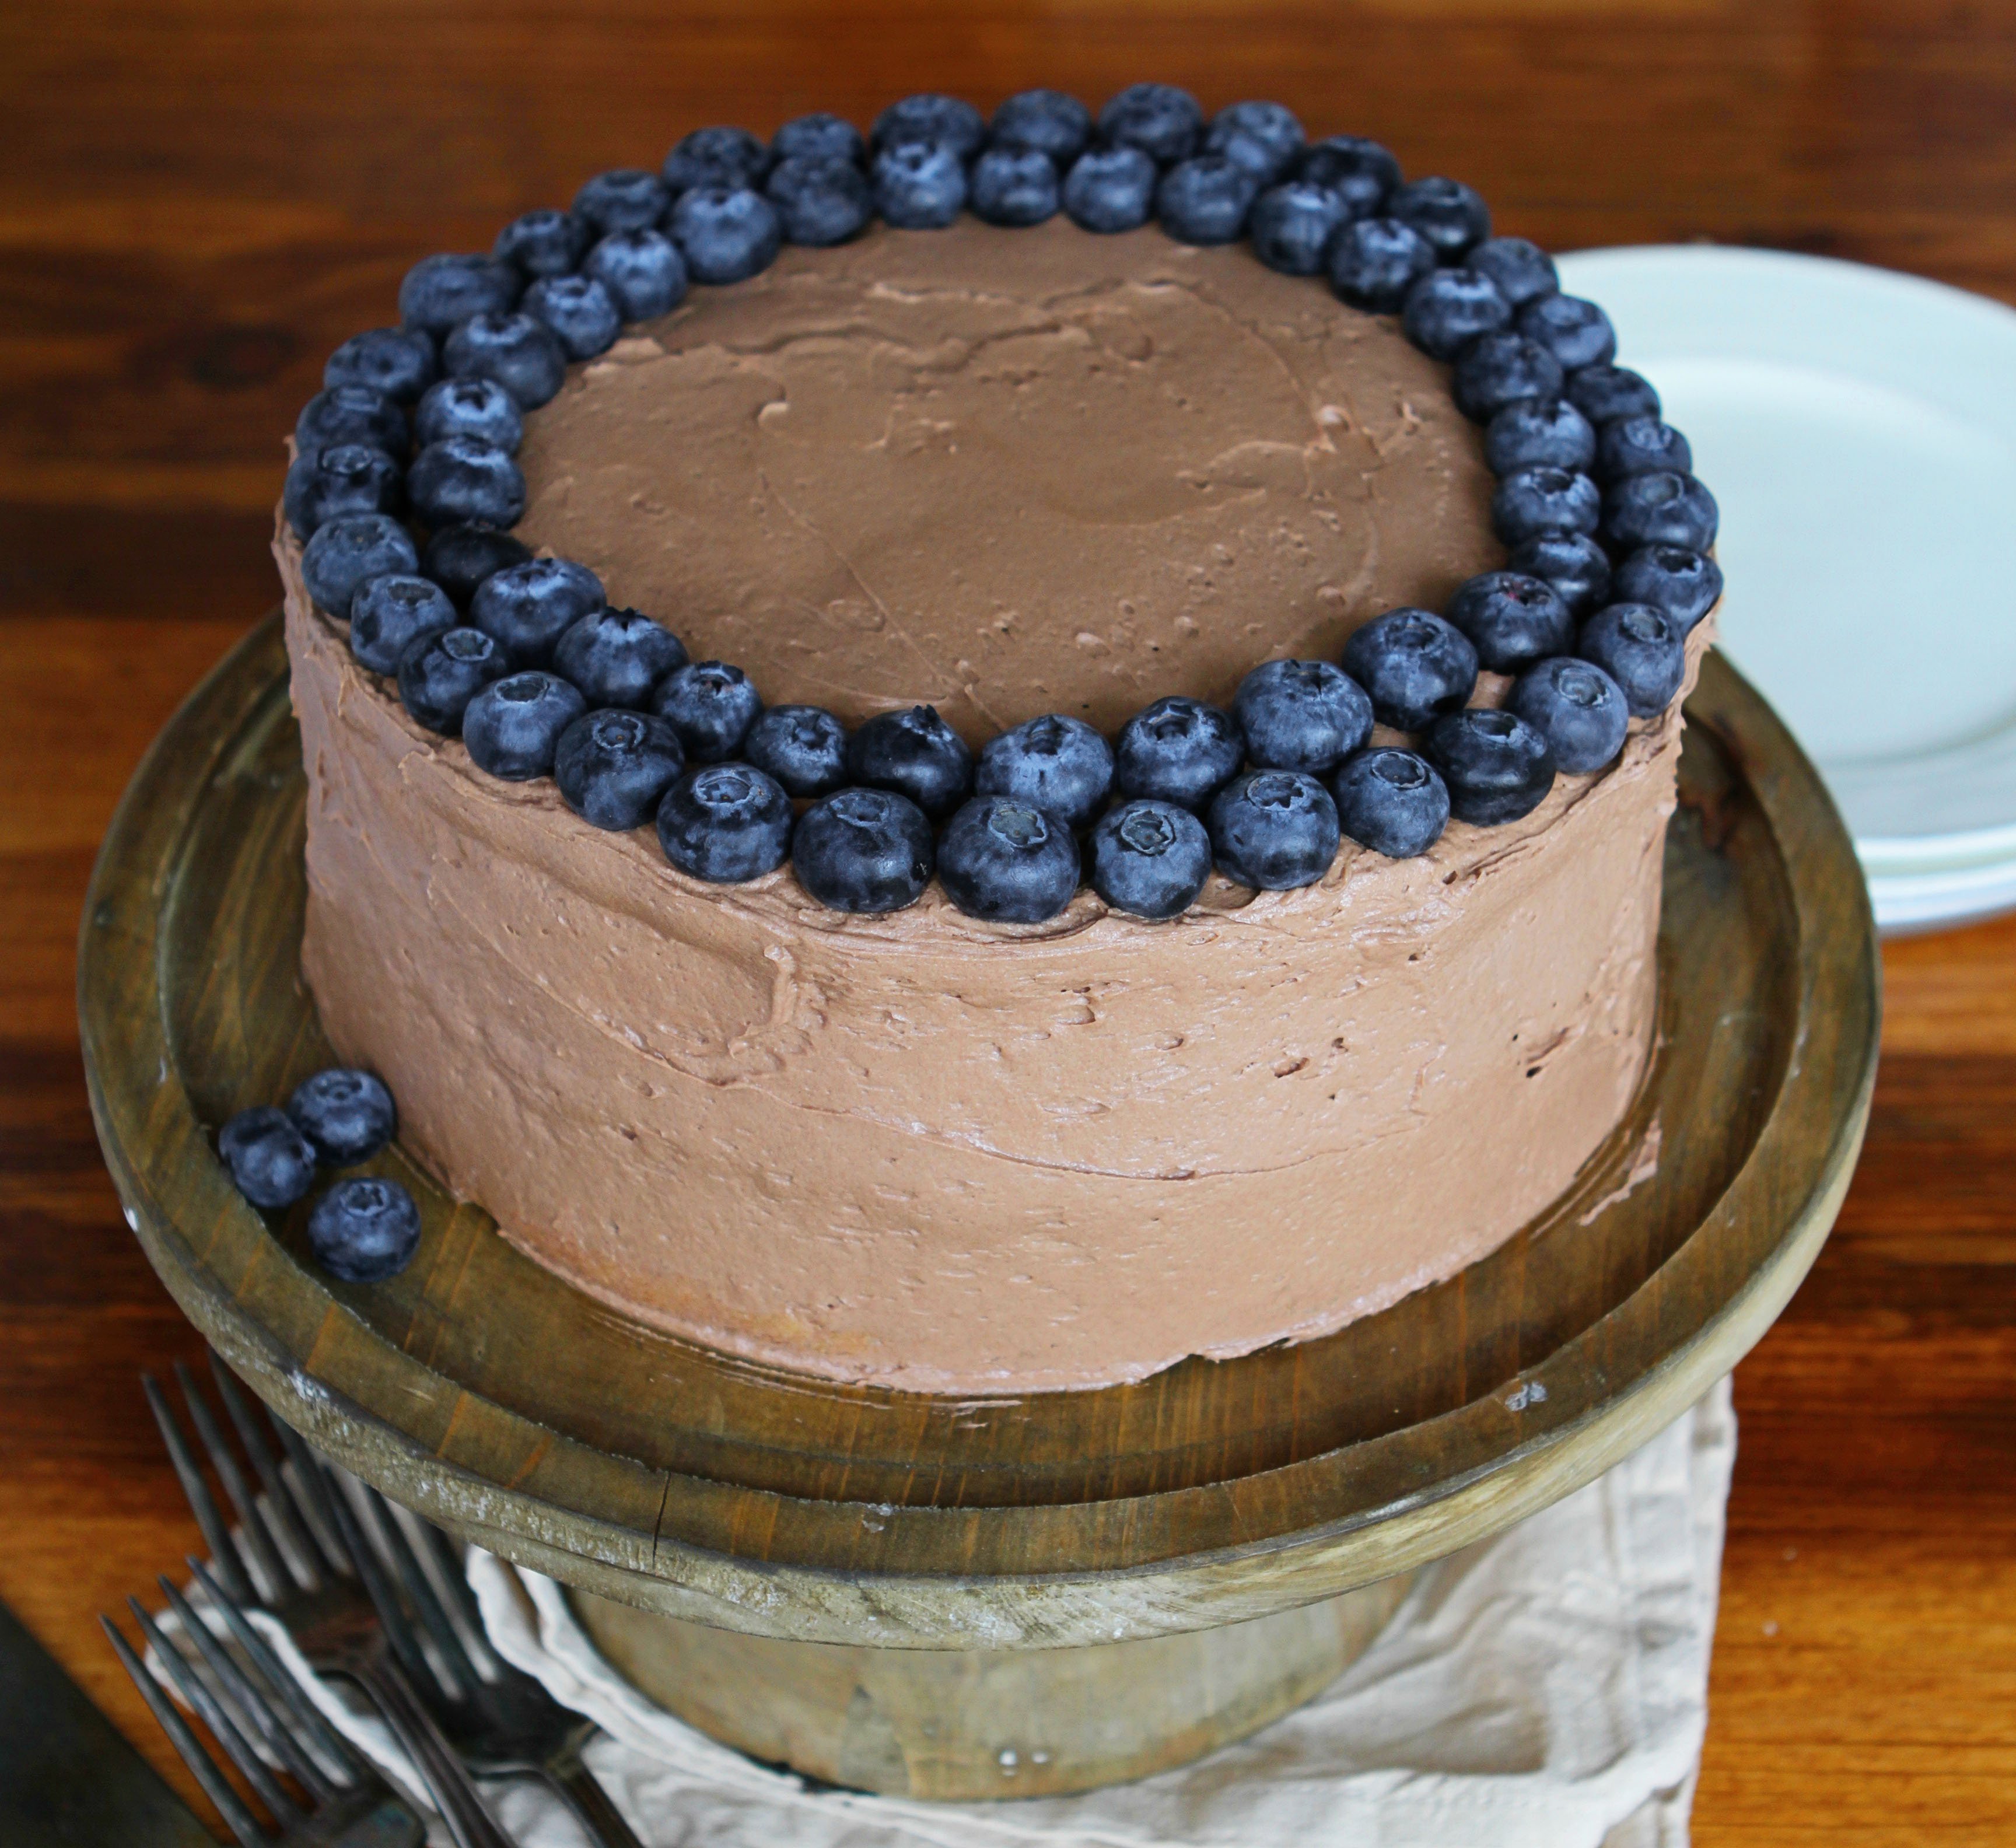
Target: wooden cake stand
point(993, 1597)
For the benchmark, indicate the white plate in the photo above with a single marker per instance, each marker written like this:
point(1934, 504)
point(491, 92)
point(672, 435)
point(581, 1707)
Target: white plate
point(1859, 429)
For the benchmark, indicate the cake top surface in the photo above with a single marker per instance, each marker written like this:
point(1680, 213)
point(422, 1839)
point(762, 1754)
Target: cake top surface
point(1011, 475)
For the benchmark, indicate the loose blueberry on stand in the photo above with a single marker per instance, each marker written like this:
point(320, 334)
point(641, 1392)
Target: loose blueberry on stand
point(819, 136)
point(462, 480)
point(1164, 122)
point(1204, 200)
point(400, 361)
point(1642, 649)
point(348, 551)
point(1292, 226)
point(1683, 582)
point(725, 823)
point(1523, 271)
point(527, 607)
point(1602, 394)
point(513, 727)
point(1302, 715)
point(1497, 766)
point(522, 354)
point(480, 408)
point(1512, 620)
point(389, 613)
point(542, 243)
point(1273, 830)
point(1577, 708)
point(1047, 120)
point(1499, 370)
point(345, 1114)
point(711, 706)
point(641, 269)
point(1178, 750)
point(1577, 567)
point(1265, 138)
point(931, 116)
point(1150, 859)
point(613, 767)
point(1390, 801)
point(916, 754)
point(365, 1230)
point(1446, 212)
point(440, 674)
point(1637, 445)
point(1110, 189)
point(1413, 665)
point(920, 185)
point(1005, 861)
point(1662, 508)
point(442, 292)
point(820, 200)
point(616, 657)
point(1013, 186)
point(1448, 308)
point(1576, 332)
point(623, 199)
point(350, 414)
point(726, 235)
point(1057, 764)
point(717, 157)
point(1373, 262)
point(804, 747)
point(1539, 432)
point(1361, 173)
point(323, 485)
point(863, 850)
point(460, 559)
point(577, 311)
point(270, 1160)
point(1537, 500)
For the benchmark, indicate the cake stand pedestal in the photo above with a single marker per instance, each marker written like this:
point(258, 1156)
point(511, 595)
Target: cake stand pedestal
point(913, 1592)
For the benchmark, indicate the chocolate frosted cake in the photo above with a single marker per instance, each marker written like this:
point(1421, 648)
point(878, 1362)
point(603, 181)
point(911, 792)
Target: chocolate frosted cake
point(1091, 788)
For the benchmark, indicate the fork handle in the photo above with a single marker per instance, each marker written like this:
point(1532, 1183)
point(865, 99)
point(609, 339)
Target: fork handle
point(576, 1785)
point(447, 1781)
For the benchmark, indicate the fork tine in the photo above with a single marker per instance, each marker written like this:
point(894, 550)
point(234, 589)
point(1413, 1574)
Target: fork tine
point(384, 1597)
point(253, 1707)
point(313, 1501)
point(415, 1580)
point(237, 1747)
point(237, 1817)
point(195, 1491)
point(280, 1498)
point(252, 1520)
point(449, 1570)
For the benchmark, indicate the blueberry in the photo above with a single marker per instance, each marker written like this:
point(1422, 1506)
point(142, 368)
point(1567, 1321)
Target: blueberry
point(439, 293)
point(1576, 332)
point(1577, 708)
point(1390, 801)
point(365, 1230)
point(350, 414)
point(711, 706)
point(725, 823)
point(863, 850)
point(1539, 433)
point(463, 479)
point(1273, 830)
point(1373, 262)
point(1264, 138)
point(1660, 508)
point(440, 674)
point(1576, 565)
point(1302, 715)
point(818, 137)
point(400, 361)
point(1602, 394)
point(1413, 665)
point(1060, 766)
point(929, 117)
point(920, 185)
point(460, 558)
point(578, 312)
point(346, 1116)
point(730, 158)
point(270, 1161)
point(1292, 226)
point(725, 235)
point(349, 549)
point(1013, 186)
point(526, 608)
point(1501, 369)
point(1204, 200)
point(1164, 122)
point(819, 200)
point(513, 727)
point(804, 747)
point(1178, 750)
point(389, 613)
point(1676, 579)
point(916, 754)
point(1361, 173)
point(1523, 271)
point(613, 767)
point(1644, 649)
point(480, 408)
point(324, 484)
point(616, 657)
point(542, 243)
point(624, 198)
point(1537, 500)
point(522, 354)
point(1006, 862)
point(1497, 766)
point(1150, 859)
point(1047, 120)
point(1110, 189)
point(1512, 620)
point(1637, 445)
point(642, 270)
point(1446, 212)
point(1448, 308)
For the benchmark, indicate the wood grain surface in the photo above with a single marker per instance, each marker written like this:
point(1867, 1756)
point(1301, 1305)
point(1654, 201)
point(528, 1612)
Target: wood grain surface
point(197, 200)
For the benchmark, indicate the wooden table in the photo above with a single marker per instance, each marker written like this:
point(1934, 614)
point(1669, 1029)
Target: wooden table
point(197, 202)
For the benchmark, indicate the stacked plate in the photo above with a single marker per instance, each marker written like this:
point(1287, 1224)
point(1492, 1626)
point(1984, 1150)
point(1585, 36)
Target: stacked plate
point(1859, 429)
